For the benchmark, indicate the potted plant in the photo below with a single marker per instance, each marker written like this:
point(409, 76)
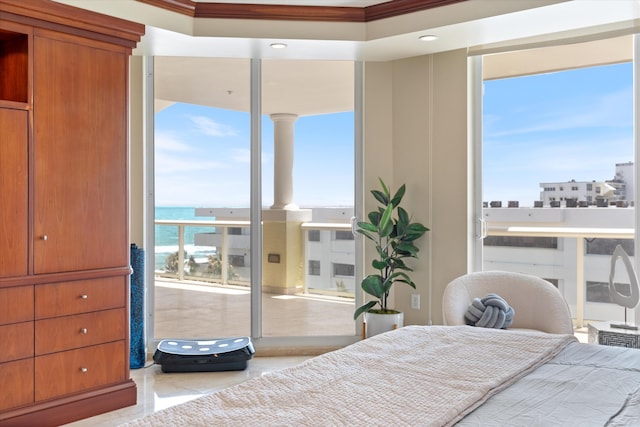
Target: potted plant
point(394, 235)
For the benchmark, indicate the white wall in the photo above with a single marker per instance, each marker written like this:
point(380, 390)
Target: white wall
point(416, 134)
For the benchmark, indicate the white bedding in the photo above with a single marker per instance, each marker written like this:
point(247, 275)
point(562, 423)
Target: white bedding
point(416, 375)
point(584, 385)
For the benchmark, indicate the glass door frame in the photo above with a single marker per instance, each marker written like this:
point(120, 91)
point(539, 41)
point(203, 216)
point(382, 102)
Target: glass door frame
point(255, 211)
point(475, 94)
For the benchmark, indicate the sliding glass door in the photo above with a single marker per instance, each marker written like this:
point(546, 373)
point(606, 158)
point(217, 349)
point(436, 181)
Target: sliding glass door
point(308, 139)
point(558, 170)
point(205, 258)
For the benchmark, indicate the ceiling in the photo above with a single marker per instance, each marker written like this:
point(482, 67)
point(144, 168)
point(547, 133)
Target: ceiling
point(473, 25)
point(185, 46)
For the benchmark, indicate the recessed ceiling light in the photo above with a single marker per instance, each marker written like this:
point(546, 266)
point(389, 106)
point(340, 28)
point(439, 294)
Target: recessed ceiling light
point(278, 45)
point(428, 38)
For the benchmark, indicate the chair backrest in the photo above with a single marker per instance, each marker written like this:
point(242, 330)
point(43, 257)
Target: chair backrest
point(538, 305)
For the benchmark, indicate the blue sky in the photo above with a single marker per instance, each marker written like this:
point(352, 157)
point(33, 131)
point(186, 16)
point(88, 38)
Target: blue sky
point(554, 128)
point(544, 128)
point(202, 158)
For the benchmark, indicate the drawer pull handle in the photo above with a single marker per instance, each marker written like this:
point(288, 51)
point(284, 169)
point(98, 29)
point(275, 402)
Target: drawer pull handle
point(84, 370)
point(84, 296)
point(45, 237)
point(84, 331)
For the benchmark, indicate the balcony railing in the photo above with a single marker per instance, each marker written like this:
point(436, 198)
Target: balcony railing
point(221, 252)
point(574, 270)
point(580, 235)
point(220, 231)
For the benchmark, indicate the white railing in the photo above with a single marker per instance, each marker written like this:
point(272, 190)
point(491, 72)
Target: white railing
point(222, 228)
point(221, 225)
point(580, 234)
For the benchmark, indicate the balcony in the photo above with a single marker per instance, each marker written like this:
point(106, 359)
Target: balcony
point(577, 261)
point(214, 284)
point(211, 296)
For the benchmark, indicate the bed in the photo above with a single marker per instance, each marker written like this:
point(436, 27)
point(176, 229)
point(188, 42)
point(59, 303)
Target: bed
point(434, 376)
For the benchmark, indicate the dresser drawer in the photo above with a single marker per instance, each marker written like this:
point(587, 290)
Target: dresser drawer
point(82, 296)
point(71, 371)
point(16, 304)
point(16, 341)
point(80, 330)
point(16, 383)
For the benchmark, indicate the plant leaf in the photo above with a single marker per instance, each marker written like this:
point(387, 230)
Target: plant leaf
point(386, 224)
point(378, 265)
point(372, 285)
point(408, 249)
point(380, 196)
point(363, 309)
point(367, 227)
point(385, 189)
point(374, 219)
point(397, 198)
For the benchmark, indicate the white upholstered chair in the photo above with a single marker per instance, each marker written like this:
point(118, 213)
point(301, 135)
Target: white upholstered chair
point(538, 305)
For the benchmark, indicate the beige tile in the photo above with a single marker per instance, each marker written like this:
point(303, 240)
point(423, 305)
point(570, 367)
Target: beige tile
point(158, 390)
point(193, 310)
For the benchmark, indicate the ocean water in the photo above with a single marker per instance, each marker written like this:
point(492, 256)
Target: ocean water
point(166, 236)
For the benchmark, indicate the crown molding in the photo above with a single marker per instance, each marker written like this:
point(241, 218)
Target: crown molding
point(184, 7)
point(395, 8)
point(297, 13)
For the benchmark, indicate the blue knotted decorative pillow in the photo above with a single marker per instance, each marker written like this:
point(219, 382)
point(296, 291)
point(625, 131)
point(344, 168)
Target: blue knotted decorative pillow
point(490, 311)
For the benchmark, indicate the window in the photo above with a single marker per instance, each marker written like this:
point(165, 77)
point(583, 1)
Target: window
point(313, 235)
point(314, 267)
point(347, 270)
point(236, 260)
point(522, 242)
point(599, 291)
point(524, 157)
point(235, 231)
point(344, 235)
point(606, 246)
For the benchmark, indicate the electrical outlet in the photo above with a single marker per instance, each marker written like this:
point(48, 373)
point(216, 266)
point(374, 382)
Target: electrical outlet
point(415, 301)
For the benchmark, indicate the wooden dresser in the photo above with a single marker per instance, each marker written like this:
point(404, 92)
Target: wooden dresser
point(64, 239)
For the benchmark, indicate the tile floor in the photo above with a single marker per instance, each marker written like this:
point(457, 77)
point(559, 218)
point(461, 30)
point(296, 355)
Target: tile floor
point(158, 390)
point(195, 310)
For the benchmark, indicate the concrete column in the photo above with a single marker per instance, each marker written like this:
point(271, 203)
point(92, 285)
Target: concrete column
point(283, 124)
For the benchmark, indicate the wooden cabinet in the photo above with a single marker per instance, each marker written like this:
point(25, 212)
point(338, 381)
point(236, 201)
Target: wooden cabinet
point(17, 349)
point(64, 239)
point(14, 192)
point(79, 180)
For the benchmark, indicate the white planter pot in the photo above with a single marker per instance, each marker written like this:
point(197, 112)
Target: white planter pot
point(375, 323)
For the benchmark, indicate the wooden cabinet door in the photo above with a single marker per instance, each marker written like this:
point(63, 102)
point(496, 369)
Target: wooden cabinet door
point(80, 155)
point(13, 192)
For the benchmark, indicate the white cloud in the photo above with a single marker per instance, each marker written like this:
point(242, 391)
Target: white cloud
point(609, 110)
point(167, 141)
point(166, 164)
point(241, 155)
point(212, 128)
